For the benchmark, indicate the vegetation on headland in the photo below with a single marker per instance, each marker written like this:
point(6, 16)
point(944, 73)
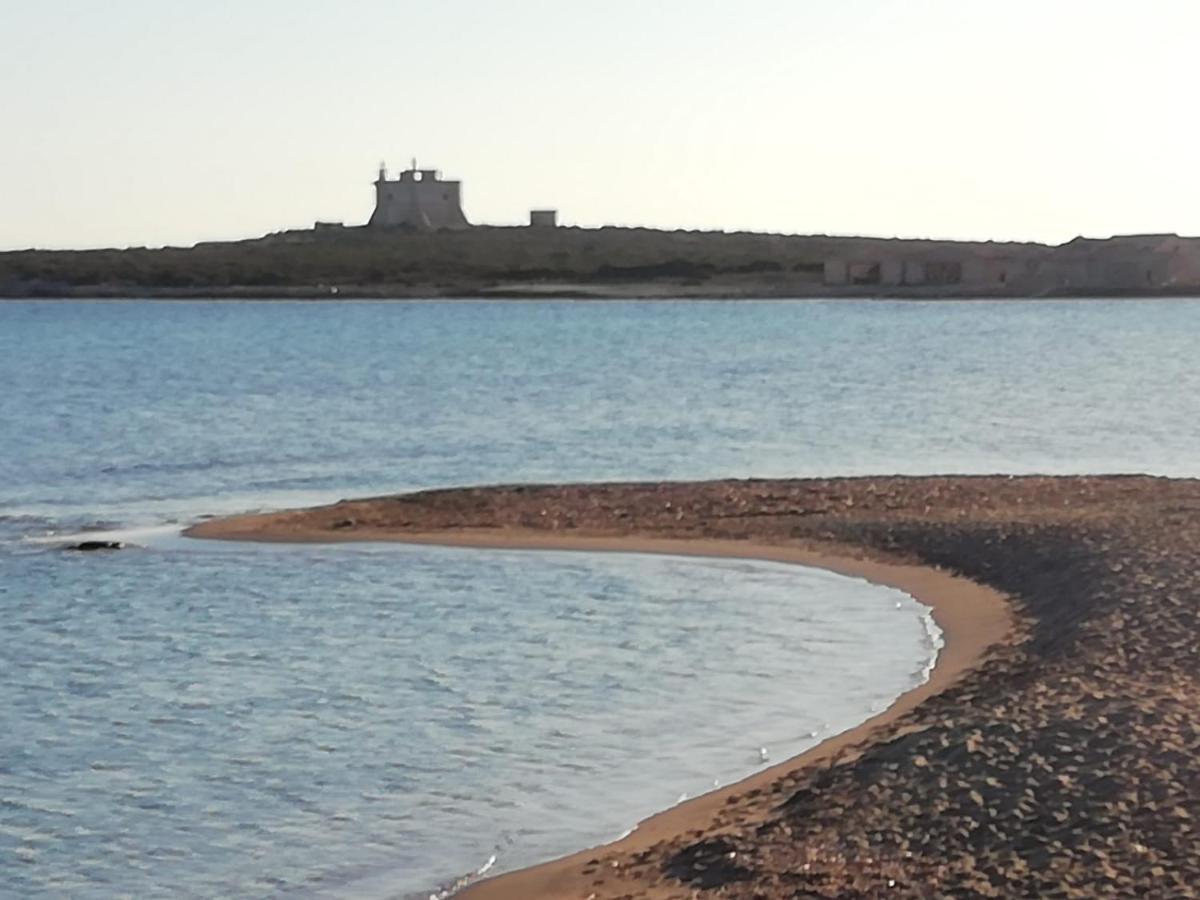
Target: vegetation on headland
point(498, 261)
point(376, 260)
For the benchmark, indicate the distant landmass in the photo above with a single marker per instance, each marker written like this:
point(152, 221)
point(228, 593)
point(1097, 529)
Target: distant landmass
point(419, 243)
point(544, 260)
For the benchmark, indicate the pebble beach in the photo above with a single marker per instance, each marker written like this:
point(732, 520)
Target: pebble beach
point(1057, 761)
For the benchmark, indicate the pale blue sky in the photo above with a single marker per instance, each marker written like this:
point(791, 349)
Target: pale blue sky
point(135, 122)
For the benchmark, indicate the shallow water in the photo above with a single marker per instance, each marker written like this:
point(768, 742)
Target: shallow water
point(237, 720)
point(197, 719)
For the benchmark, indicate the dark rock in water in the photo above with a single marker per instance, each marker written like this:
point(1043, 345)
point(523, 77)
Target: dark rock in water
point(98, 545)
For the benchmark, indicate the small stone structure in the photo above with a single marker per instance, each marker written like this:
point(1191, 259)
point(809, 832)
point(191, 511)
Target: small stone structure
point(909, 268)
point(543, 218)
point(418, 199)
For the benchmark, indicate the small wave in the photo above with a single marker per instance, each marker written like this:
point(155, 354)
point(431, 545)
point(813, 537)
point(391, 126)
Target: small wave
point(16, 526)
point(463, 881)
point(936, 641)
point(168, 467)
point(25, 518)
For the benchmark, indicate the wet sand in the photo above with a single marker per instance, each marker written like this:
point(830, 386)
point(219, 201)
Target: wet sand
point(1051, 754)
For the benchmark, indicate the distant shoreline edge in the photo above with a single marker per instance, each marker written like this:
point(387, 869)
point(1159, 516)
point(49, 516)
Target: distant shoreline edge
point(583, 291)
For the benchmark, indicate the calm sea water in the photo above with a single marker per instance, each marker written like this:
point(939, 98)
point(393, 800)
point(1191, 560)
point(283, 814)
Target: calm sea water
point(202, 719)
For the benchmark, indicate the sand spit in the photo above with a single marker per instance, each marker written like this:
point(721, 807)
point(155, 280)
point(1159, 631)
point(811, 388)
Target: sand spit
point(1060, 763)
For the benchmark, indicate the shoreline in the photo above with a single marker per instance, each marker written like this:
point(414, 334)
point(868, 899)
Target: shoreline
point(1059, 764)
point(973, 619)
point(644, 291)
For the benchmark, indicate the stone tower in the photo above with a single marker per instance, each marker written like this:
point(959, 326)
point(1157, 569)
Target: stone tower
point(419, 199)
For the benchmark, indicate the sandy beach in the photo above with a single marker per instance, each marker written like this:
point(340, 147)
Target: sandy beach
point(1050, 754)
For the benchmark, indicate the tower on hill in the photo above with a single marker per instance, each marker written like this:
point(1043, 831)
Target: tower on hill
point(419, 199)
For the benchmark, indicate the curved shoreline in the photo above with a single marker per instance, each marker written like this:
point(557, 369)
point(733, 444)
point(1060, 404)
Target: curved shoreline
point(973, 620)
point(1061, 764)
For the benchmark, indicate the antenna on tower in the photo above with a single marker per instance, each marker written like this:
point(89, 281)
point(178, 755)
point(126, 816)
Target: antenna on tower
point(414, 163)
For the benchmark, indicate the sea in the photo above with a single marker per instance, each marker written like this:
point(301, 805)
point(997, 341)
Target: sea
point(190, 718)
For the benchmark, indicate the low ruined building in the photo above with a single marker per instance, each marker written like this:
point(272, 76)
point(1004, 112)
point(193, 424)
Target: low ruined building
point(914, 272)
point(864, 273)
point(891, 271)
point(418, 199)
point(944, 272)
point(927, 266)
point(836, 272)
point(543, 218)
point(997, 271)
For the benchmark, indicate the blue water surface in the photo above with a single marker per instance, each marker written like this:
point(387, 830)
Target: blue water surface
point(198, 719)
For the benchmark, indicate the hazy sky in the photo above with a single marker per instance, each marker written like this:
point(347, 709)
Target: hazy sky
point(132, 122)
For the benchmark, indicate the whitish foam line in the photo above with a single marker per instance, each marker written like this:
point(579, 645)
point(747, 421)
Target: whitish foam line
point(465, 881)
point(936, 638)
point(137, 535)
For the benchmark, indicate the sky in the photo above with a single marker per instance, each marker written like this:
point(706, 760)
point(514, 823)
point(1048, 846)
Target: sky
point(160, 122)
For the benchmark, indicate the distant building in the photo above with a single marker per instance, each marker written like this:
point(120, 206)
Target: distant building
point(543, 218)
point(418, 199)
point(976, 266)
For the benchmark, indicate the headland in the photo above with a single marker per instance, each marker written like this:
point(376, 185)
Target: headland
point(1051, 754)
point(402, 262)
